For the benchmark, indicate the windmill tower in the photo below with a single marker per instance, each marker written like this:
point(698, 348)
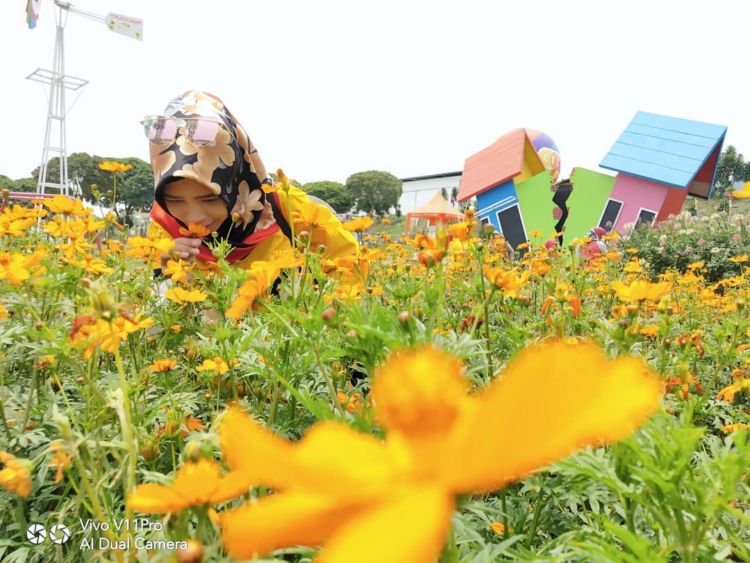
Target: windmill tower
point(55, 142)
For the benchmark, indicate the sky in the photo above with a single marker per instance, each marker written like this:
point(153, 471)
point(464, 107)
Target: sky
point(329, 88)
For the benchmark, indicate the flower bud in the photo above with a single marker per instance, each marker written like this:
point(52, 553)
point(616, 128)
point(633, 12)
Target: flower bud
point(192, 552)
point(404, 317)
point(329, 315)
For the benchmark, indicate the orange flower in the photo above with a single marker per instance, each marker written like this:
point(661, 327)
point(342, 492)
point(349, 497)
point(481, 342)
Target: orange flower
point(191, 424)
point(195, 484)
point(195, 230)
point(342, 488)
point(60, 459)
point(734, 427)
point(161, 366)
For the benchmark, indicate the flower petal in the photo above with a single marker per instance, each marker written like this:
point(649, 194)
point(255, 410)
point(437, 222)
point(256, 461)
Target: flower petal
point(551, 400)
point(154, 498)
point(331, 458)
point(410, 529)
point(282, 520)
point(249, 447)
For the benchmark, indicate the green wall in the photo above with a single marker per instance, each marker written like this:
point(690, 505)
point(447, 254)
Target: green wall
point(535, 201)
point(586, 202)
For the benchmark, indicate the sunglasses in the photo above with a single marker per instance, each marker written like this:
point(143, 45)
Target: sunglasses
point(163, 130)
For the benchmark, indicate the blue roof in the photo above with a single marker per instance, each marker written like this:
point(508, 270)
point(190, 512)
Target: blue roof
point(664, 149)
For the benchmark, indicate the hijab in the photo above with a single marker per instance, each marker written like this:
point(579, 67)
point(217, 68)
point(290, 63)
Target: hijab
point(224, 167)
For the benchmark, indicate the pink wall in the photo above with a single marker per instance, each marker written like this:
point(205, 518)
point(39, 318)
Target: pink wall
point(636, 193)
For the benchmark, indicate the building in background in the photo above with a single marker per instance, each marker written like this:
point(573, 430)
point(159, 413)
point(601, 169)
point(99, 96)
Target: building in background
point(419, 190)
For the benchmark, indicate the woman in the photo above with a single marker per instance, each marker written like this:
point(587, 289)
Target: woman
point(209, 178)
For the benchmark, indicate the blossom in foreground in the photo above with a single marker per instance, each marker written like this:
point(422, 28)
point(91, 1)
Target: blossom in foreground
point(195, 484)
point(392, 500)
point(15, 476)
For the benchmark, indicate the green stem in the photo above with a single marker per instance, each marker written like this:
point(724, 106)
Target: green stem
point(21, 514)
point(127, 436)
point(535, 521)
point(329, 382)
point(33, 385)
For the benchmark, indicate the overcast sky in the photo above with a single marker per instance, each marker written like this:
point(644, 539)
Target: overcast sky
point(328, 88)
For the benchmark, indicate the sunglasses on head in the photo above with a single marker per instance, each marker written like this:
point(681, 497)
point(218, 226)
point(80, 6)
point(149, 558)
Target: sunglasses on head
point(198, 130)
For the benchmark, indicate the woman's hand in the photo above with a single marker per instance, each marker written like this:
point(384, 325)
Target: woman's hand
point(185, 248)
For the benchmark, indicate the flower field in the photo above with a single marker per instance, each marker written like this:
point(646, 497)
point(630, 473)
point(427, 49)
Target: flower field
point(428, 399)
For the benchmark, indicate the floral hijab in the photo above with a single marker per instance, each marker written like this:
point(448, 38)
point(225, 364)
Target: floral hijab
point(224, 167)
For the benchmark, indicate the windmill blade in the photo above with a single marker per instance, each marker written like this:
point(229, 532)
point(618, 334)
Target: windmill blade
point(125, 25)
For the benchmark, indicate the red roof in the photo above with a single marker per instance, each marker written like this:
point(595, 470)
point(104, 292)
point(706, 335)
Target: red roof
point(496, 164)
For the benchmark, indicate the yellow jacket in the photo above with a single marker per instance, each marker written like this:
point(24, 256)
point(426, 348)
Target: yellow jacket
point(297, 210)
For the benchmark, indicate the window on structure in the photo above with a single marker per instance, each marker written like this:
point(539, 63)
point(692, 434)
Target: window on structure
point(646, 216)
point(511, 226)
point(610, 215)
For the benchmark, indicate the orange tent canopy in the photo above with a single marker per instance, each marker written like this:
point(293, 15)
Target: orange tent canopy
point(437, 209)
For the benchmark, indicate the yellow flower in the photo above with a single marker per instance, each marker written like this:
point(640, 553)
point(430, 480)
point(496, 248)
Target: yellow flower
point(359, 224)
point(180, 296)
point(66, 206)
point(262, 274)
point(342, 488)
point(3, 312)
point(739, 259)
point(16, 267)
point(640, 290)
point(15, 476)
point(114, 166)
point(633, 267)
point(195, 484)
point(107, 334)
point(508, 280)
point(727, 394)
point(217, 364)
point(459, 231)
point(160, 366)
point(176, 270)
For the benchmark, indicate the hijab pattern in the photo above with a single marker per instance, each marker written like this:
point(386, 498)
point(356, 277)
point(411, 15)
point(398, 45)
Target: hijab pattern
point(224, 167)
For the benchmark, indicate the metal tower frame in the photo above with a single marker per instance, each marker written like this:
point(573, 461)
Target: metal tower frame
point(57, 110)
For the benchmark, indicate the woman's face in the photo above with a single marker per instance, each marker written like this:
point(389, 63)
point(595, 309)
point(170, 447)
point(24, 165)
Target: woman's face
point(192, 202)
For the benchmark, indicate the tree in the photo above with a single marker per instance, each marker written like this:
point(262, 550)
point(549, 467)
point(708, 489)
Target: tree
point(333, 193)
point(444, 193)
point(374, 190)
point(135, 187)
point(24, 185)
point(454, 195)
point(732, 168)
